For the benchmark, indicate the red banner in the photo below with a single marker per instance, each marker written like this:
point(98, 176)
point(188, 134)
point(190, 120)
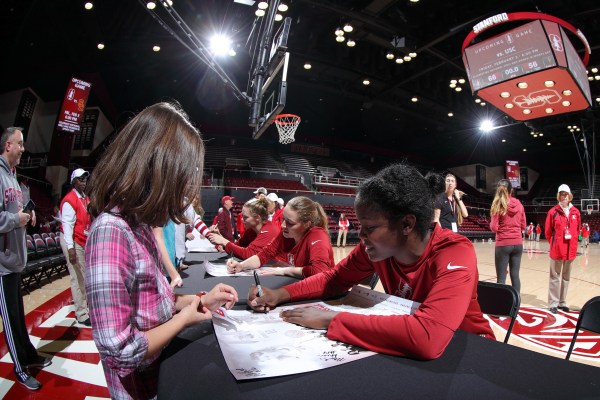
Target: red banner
point(513, 174)
point(73, 106)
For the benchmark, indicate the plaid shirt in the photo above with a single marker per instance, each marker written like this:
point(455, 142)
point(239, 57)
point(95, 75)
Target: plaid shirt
point(128, 295)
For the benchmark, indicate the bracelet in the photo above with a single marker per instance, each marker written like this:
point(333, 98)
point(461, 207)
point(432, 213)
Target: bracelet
point(200, 294)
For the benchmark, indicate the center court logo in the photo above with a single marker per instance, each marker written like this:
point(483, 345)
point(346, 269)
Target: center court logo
point(552, 331)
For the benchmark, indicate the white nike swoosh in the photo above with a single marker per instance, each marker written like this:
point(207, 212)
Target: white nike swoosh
point(454, 266)
point(264, 231)
point(315, 242)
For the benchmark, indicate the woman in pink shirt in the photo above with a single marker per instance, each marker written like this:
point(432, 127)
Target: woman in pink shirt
point(508, 221)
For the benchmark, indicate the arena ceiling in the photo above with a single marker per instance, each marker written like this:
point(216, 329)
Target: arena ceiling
point(44, 43)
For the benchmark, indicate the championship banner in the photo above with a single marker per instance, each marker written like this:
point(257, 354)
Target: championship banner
point(73, 106)
point(513, 174)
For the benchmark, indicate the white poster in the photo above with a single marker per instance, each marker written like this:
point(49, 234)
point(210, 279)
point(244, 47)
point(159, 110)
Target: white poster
point(219, 268)
point(261, 345)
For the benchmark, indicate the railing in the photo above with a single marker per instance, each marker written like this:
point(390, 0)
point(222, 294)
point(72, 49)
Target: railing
point(350, 182)
point(33, 162)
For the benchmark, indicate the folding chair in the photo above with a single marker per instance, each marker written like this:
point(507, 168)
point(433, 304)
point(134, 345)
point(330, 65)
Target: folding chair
point(589, 319)
point(499, 299)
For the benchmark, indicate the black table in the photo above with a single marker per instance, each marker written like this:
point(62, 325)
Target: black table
point(196, 280)
point(471, 368)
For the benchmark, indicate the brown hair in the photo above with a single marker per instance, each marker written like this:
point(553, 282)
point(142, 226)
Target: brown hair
point(259, 207)
point(150, 169)
point(500, 203)
point(309, 210)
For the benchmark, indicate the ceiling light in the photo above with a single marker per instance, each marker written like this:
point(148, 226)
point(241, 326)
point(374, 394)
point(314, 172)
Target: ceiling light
point(278, 17)
point(567, 92)
point(549, 83)
point(156, 48)
point(232, 53)
point(597, 77)
point(482, 103)
point(151, 5)
point(340, 39)
point(461, 81)
point(263, 5)
point(220, 45)
point(503, 140)
point(540, 134)
point(486, 126)
point(100, 46)
point(566, 103)
point(89, 5)
point(170, 2)
point(594, 70)
point(522, 85)
point(524, 149)
point(259, 13)
point(366, 82)
point(549, 110)
point(509, 105)
point(505, 95)
point(348, 28)
point(339, 32)
point(450, 114)
point(458, 89)
point(548, 144)
point(535, 135)
point(307, 65)
point(477, 100)
point(590, 78)
point(581, 140)
point(412, 54)
point(282, 7)
point(414, 1)
point(598, 99)
point(407, 58)
point(389, 55)
point(527, 111)
point(350, 43)
point(414, 99)
point(399, 60)
point(453, 85)
point(454, 81)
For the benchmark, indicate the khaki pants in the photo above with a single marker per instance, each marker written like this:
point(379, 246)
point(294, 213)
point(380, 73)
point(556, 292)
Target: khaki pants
point(77, 273)
point(341, 233)
point(557, 293)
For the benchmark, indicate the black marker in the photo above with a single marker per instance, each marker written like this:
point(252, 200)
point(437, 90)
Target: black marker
point(260, 293)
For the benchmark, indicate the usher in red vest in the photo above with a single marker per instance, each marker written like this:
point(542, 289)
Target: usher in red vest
point(82, 218)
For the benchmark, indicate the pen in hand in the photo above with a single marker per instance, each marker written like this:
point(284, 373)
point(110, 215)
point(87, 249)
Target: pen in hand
point(258, 288)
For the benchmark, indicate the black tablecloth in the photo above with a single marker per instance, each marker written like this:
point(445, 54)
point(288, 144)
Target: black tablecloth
point(196, 280)
point(471, 368)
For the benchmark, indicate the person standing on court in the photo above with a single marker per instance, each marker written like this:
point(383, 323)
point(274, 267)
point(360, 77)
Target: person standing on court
point(134, 311)
point(450, 209)
point(562, 228)
point(224, 218)
point(343, 225)
point(508, 220)
point(75, 225)
point(538, 232)
point(13, 257)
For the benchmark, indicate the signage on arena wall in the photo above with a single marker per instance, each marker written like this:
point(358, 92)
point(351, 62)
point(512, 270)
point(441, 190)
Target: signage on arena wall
point(513, 173)
point(73, 106)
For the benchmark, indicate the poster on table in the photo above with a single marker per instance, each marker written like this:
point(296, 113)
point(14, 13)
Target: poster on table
point(261, 345)
point(219, 268)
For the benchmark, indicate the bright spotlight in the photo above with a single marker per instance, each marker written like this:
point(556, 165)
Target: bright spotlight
point(220, 45)
point(486, 126)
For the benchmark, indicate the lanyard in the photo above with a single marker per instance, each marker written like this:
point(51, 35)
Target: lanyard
point(452, 206)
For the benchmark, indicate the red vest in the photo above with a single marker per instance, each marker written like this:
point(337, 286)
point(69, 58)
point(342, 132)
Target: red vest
point(82, 218)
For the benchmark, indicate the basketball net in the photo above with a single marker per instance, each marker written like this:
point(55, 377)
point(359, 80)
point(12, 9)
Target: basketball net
point(286, 126)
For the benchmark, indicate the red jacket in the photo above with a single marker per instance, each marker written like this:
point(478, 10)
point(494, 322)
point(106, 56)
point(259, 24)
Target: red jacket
point(252, 243)
point(313, 252)
point(444, 280)
point(585, 231)
point(557, 224)
point(508, 227)
point(278, 216)
point(82, 218)
point(343, 224)
point(224, 224)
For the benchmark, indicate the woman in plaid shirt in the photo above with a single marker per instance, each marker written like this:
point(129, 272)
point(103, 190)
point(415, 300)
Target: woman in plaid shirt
point(141, 182)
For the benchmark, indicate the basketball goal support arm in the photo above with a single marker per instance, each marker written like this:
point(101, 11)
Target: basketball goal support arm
point(261, 67)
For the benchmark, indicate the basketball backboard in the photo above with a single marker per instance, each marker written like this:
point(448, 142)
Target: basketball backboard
point(589, 205)
point(271, 86)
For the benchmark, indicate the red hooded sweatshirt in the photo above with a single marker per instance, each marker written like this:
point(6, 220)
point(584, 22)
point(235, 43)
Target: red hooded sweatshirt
point(508, 227)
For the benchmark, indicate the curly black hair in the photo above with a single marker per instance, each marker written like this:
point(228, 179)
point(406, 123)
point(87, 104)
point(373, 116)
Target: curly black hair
point(399, 190)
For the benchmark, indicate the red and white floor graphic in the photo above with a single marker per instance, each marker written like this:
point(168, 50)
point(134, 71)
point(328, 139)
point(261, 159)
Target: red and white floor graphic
point(76, 372)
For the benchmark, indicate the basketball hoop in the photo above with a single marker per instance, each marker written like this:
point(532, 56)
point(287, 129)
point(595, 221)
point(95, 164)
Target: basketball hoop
point(590, 209)
point(286, 126)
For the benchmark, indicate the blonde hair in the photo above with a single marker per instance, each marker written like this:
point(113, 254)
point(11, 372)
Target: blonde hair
point(259, 207)
point(309, 211)
point(503, 193)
